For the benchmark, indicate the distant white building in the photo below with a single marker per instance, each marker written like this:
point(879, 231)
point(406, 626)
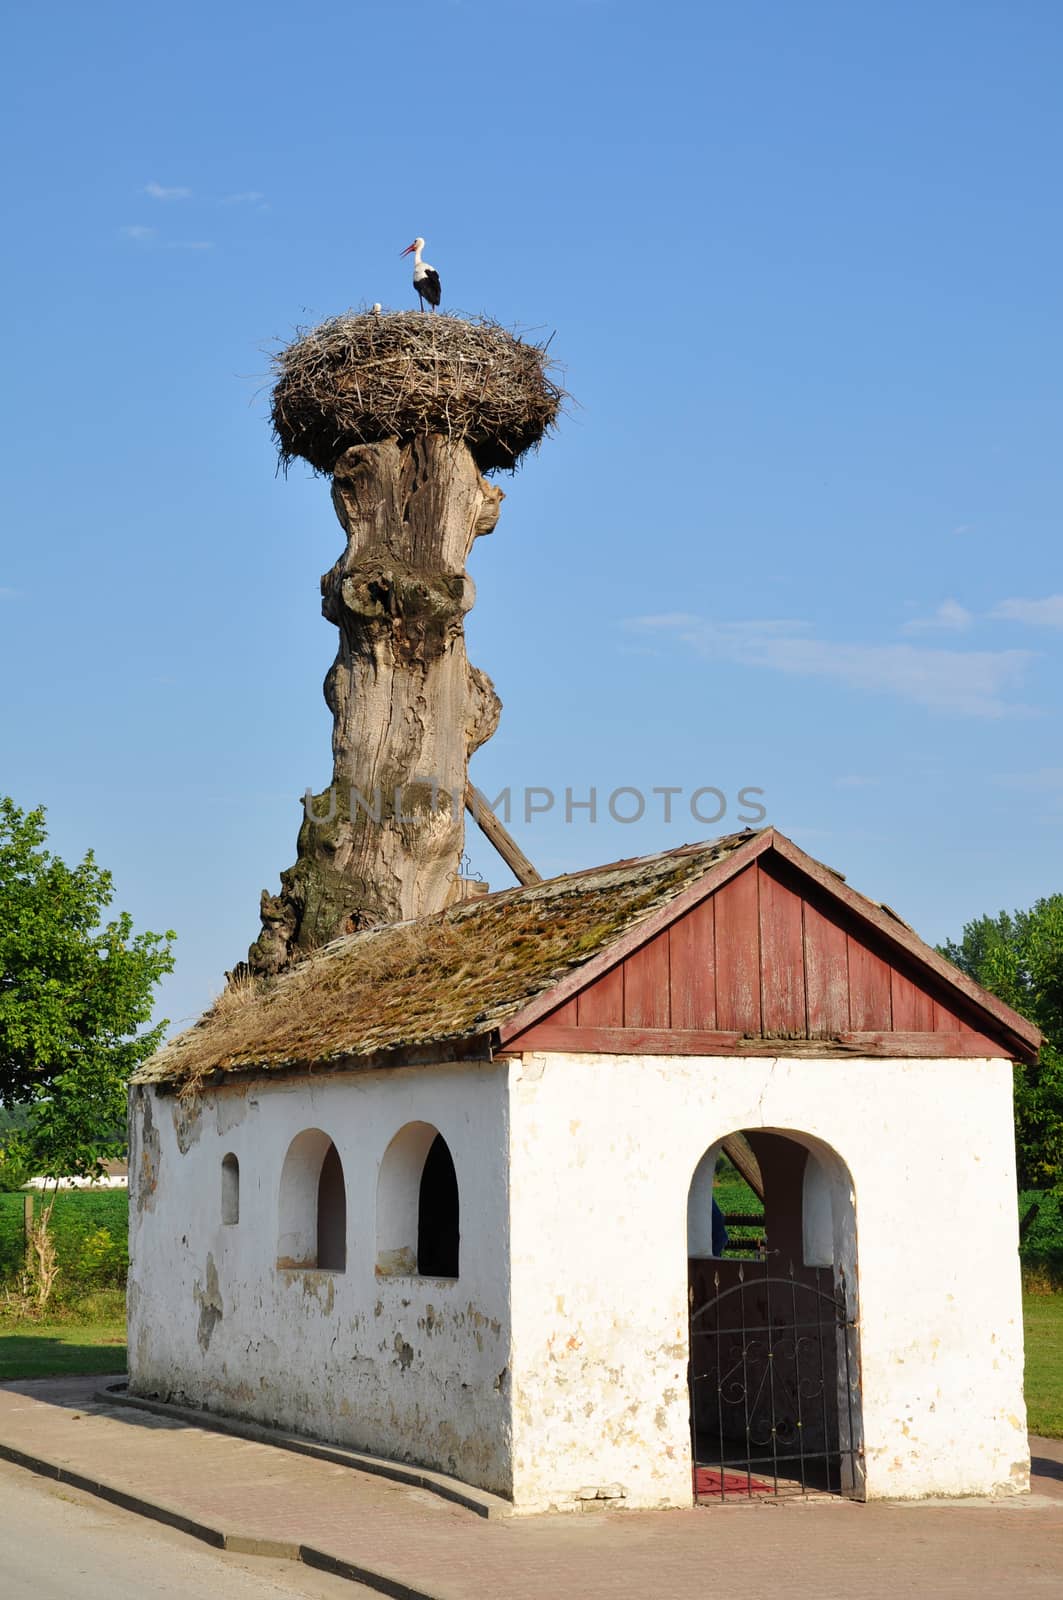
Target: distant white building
point(115, 1176)
point(445, 1195)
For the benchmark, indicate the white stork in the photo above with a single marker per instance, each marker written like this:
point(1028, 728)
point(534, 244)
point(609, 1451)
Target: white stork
point(425, 278)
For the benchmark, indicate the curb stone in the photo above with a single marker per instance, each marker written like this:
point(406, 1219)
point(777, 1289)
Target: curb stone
point(479, 1501)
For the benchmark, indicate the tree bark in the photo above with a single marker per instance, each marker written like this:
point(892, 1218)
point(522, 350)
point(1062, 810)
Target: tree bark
point(385, 841)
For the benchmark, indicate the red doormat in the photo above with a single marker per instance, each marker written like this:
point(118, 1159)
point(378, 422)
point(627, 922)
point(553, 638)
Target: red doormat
point(712, 1481)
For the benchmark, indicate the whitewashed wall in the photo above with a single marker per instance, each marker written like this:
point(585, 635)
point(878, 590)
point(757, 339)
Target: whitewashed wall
point(603, 1149)
point(408, 1367)
point(568, 1375)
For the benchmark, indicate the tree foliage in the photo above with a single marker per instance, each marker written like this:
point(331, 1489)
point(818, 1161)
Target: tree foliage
point(76, 996)
point(1020, 958)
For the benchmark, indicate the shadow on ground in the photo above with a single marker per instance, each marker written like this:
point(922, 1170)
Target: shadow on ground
point(1042, 1467)
point(45, 1355)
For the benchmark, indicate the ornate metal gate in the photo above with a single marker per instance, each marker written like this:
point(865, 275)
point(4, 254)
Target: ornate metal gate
point(773, 1385)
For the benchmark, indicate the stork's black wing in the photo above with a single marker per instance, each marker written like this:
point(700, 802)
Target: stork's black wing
point(429, 286)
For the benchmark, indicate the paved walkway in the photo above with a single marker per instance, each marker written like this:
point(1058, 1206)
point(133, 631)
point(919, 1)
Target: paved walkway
point(408, 1543)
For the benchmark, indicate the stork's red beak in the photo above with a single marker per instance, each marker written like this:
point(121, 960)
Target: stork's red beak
point(410, 248)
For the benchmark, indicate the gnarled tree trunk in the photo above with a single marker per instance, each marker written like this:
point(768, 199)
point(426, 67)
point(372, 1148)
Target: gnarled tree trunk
point(385, 841)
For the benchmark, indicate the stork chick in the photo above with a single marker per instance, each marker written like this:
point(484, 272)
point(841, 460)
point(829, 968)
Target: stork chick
point(425, 278)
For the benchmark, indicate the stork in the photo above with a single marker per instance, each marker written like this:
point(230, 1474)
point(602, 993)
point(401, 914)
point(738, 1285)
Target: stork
point(425, 278)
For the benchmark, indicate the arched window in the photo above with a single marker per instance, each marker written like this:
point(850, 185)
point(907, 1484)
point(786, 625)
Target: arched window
point(332, 1214)
point(230, 1189)
point(437, 1214)
point(417, 1206)
point(312, 1222)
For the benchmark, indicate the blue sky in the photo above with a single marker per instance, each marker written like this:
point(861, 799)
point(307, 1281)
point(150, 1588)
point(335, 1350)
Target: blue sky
point(800, 532)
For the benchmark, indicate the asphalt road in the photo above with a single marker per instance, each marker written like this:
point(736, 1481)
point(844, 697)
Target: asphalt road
point(56, 1543)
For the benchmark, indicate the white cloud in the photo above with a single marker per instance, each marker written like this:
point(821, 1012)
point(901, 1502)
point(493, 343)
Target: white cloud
point(972, 683)
point(158, 191)
point(1045, 780)
point(6, 593)
point(246, 197)
point(191, 244)
point(1046, 613)
point(855, 780)
point(950, 617)
point(137, 232)
point(685, 620)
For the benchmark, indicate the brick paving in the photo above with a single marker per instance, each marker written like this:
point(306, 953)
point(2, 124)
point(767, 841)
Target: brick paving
point(421, 1545)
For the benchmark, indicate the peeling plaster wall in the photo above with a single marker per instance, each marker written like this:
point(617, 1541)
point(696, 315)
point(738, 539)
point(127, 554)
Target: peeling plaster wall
point(408, 1367)
point(602, 1152)
point(578, 1167)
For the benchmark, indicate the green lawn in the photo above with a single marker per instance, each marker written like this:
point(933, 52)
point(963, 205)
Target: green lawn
point(61, 1349)
point(1043, 1316)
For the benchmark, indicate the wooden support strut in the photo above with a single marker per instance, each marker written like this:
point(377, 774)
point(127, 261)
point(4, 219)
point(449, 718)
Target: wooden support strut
point(743, 1158)
point(508, 848)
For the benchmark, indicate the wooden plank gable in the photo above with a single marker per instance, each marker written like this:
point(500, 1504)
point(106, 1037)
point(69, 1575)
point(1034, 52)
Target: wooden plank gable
point(771, 961)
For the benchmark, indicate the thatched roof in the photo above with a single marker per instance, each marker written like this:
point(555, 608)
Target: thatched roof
point(365, 376)
point(440, 984)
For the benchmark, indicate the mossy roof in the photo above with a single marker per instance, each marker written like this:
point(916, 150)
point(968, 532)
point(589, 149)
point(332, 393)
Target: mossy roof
point(447, 981)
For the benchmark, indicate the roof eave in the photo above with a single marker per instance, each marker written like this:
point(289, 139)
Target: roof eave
point(468, 1048)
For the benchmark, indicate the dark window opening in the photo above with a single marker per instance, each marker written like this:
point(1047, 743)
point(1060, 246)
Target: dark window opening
point(437, 1214)
point(230, 1190)
point(331, 1214)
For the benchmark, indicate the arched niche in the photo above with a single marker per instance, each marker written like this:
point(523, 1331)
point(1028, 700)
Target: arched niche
point(230, 1190)
point(312, 1219)
point(418, 1206)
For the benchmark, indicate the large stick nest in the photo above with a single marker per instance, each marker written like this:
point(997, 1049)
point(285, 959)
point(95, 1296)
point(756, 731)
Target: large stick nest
point(367, 376)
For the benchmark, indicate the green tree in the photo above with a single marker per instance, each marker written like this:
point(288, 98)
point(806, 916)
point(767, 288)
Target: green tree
point(1020, 958)
point(14, 1120)
point(76, 996)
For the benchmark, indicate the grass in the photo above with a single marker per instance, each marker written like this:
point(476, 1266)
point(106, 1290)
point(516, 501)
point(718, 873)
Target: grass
point(1043, 1318)
point(61, 1349)
point(85, 1336)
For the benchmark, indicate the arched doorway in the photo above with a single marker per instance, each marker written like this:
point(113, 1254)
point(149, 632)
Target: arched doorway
point(774, 1359)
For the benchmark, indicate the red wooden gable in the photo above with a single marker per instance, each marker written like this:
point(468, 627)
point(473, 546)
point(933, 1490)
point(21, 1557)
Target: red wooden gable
point(761, 951)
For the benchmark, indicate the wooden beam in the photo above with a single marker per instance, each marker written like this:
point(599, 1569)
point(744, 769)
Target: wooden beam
point(508, 848)
point(689, 1042)
point(626, 1041)
point(738, 1151)
point(961, 1045)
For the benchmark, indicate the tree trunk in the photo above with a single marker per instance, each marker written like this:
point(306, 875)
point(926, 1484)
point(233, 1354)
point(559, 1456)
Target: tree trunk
point(385, 841)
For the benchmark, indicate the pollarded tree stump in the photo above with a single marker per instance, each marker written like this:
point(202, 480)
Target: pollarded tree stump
point(385, 841)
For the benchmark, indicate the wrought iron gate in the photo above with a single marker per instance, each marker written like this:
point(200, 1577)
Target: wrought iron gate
point(773, 1385)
